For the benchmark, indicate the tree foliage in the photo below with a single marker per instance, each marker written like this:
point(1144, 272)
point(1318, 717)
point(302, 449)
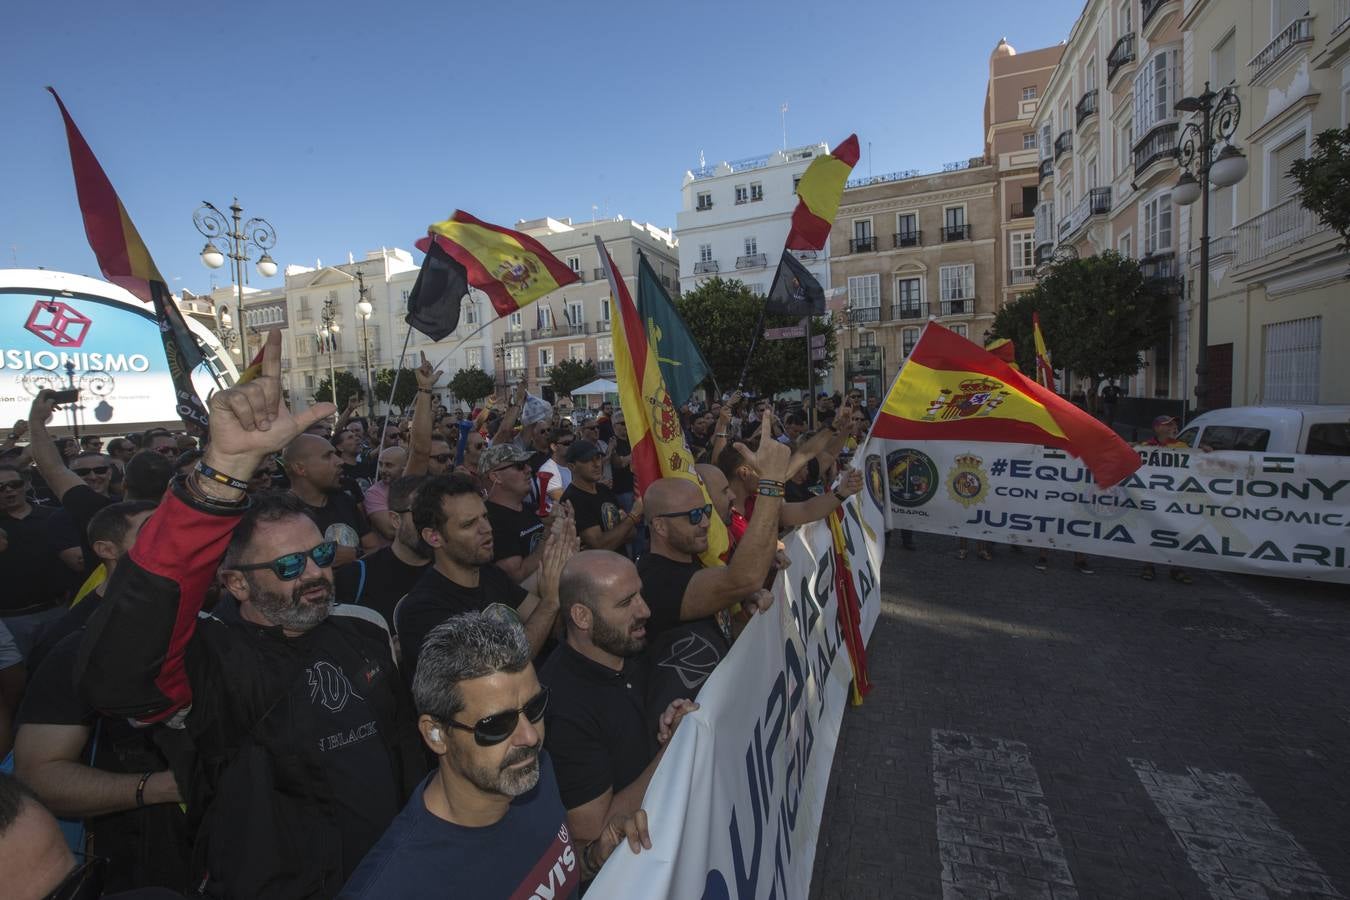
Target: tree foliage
point(569, 374)
point(722, 316)
point(1098, 314)
point(472, 385)
point(347, 386)
point(1324, 180)
point(406, 388)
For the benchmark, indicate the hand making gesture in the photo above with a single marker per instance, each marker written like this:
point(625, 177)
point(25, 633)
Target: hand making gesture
point(426, 374)
point(770, 458)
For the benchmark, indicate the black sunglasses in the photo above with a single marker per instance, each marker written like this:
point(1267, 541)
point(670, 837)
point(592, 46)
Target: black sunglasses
point(494, 729)
point(292, 565)
point(92, 470)
point(695, 515)
point(441, 457)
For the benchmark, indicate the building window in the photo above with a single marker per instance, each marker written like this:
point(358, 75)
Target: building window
point(1029, 92)
point(1293, 361)
point(604, 310)
point(1283, 185)
point(309, 381)
point(867, 338)
point(756, 192)
point(957, 282)
point(1047, 140)
point(1125, 246)
point(304, 304)
point(909, 296)
point(576, 351)
point(473, 358)
point(1223, 61)
point(1158, 225)
point(908, 338)
point(907, 225)
point(864, 291)
point(742, 194)
point(1021, 251)
point(576, 313)
point(1028, 140)
point(704, 200)
point(862, 229)
point(705, 253)
point(961, 328)
point(574, 263)
point(796, 179)
point(1124, 17)
point(751, 246)
point(604, 349)
point(545, 357)
point(515, 357)
point(516, 320)
point(1155, 91)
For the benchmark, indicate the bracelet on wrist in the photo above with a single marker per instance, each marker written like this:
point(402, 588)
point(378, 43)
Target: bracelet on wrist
point(140, 789)
point(221, 477)
point(192, 487)
point(838, 496)
point(769, 490)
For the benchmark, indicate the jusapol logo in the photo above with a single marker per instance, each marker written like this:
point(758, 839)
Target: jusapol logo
point(58, 324)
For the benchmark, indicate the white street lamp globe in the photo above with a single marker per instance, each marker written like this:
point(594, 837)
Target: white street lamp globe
point(267, 266)
point(335, 328)
point(225, 317)
point(1229, 168)
point(1187, 190)
point(365, 309)
point(211, 257)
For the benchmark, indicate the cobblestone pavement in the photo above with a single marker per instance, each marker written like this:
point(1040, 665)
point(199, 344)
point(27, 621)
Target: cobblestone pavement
point(1064, 735)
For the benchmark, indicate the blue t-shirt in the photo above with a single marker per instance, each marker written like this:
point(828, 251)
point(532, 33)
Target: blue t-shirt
point(527, 853)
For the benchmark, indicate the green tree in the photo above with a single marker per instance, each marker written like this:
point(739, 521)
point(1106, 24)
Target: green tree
point(722, 315)
point(471, 385)
point(569, 374)
point(347, 386)
point(407, 387)
point(1098, 314)
point(1324, 180)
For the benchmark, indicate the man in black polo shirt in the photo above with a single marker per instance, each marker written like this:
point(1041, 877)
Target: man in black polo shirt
point(452, 518)
point(599, 734)
point(316, 479)
point(28, 562)
point(517, 532)
point(601, 521)
point(382, 579)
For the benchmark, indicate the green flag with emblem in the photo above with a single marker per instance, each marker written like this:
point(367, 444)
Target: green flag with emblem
point(682, 364)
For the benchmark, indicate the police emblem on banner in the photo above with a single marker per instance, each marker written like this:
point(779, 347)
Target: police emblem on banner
point(913, 477)
point(968, 483)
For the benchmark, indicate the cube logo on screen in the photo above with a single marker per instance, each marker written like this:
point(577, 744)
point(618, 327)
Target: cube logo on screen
point(57, 323)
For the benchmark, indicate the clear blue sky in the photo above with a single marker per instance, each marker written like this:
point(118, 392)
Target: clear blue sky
point(352, 126)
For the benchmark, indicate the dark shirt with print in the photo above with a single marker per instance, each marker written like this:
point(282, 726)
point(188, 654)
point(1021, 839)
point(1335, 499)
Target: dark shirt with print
point(599, 508)
point(515, 532)
point(340, 519)
point(436, 598)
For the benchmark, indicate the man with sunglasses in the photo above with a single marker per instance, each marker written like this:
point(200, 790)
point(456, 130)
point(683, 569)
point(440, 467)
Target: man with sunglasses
point(441, 459)
point(287, 722)
point(601, 521)
point(488, 822)
point(160, 441)
point(381, 579)
point(517, 532)
point(557, 467)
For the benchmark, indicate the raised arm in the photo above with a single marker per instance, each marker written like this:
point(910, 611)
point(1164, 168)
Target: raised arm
point(419, 435)
point(506, 428)
point(48, 459)
point(792, 514)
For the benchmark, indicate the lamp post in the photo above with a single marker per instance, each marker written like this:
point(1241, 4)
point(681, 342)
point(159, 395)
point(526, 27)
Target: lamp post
point(224, 328)
point(238, 237)
point(364, 308)
point(330, 328)
point(1200, 167)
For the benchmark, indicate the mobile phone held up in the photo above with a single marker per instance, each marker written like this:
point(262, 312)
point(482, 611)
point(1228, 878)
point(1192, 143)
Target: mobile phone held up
point(67, 396)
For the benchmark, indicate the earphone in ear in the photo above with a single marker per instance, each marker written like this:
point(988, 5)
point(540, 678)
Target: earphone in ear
point(435, 734)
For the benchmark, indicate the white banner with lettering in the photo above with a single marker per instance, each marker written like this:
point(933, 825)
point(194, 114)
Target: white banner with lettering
point(734, 808)
point(1257, 513)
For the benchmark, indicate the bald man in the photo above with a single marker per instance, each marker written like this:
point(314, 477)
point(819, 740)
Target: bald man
point(391, 464)
point(315, 472)
point(605, 746)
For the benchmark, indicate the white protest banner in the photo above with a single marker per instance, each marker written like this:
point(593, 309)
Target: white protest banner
point(734, 808)
point(1257, 513)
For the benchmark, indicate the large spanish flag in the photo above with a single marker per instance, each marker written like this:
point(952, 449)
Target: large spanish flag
point(819, 191)
point(654, 431)
point(951, 390)
point(513, 269)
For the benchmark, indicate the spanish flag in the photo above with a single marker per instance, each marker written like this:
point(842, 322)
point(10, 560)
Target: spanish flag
point(951, 390)
point(513, 269)
point(1005, 350)
point(819, 191)
point(654, 430)
point(253, 371)
point(1045, 370)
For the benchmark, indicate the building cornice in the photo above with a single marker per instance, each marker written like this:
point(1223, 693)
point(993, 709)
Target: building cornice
point(925, 198)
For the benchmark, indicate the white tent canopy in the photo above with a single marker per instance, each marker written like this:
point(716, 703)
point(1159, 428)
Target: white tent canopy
point(599, 386)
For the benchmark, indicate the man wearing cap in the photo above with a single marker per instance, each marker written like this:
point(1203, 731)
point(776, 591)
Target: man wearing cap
point(601, 522)
point(517, 532)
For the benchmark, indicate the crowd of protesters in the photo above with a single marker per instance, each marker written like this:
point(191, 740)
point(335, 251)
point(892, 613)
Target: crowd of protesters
point(319, 654)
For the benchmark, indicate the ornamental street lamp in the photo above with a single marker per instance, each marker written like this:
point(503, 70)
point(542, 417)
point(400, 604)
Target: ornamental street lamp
point(1201, 167)
point(330, 328)
point(224, 328)
point(238, 238)
point(364, 308)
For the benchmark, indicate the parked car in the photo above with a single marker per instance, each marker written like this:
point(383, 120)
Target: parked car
point(1322, 430)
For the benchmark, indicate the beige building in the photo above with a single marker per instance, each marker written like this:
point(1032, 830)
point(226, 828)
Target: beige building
point(1279, 301)
point(574, 321)
point(906, 247)
point(1017, 82)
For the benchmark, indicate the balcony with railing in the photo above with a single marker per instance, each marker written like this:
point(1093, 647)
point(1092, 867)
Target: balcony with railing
point(706, 267)
point(1159, 143)
point(1297, 32)
point(603, 326)
point(861, 315)
point(516, 374)
point(1096, 202)
point(908, 239)
point(904, 312)
point(1021, 276)
point(862, 244)
point(1021, 211)
point(1149, 14)
point(962, 306)
point(752, 261)
point(515, 336)
point(579, 328)
point(1275, 231)
point(1047, 168)
point(547, 331)
point(604, 368)
point(1086, 108)
point(1063, 144)
point(1161, 271)
point(955, 233)
point(597, 273)
point(1121, 55)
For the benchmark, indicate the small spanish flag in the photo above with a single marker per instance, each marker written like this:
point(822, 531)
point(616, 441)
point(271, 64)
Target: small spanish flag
point(1045, 370)
point(949, 389)
point(253, 371)
point(513, 269)
point(1005, 350)
point(819, 191)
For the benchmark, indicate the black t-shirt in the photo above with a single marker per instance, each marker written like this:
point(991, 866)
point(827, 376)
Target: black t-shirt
point(30, 571)
point(340, 519)
point(597, 731)
point(600, 508)
point(683, 654)
point(622, 475)
point(387, 579)
point(515, 532)
point(436, 598)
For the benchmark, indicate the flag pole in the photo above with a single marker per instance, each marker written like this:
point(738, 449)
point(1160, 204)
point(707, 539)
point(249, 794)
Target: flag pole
point(810, 377)
point(759, 329)
point(393, 389)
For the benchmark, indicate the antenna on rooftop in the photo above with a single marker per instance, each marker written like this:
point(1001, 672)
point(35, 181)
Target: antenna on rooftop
point(783, 112)
point(702, 163)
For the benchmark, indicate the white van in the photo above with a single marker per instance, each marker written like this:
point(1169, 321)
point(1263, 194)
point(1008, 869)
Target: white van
point(1322, 430)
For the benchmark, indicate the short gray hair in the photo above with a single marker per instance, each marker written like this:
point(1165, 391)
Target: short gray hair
point(472, 645)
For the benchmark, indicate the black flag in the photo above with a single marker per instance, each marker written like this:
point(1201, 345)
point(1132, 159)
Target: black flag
point(433, 305)
point(795, 291)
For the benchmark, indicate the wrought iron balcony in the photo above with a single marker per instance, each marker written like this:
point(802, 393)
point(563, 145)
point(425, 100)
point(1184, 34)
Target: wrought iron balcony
point(1149, 10)
point(1159, 143)
point(1161, 271)
point(515, 336)
point(706, 267)
point(1044, 252)
point(1021, 211)
point(862, 245)
point(1047, 168)
point(604, 368)
point(955, 233)
point(1087, 106)
point(909, 311)
point(603, 326)
point(1097, 202)
point(908, 239)
point(962, 307)
point(1063, 144)
point(1121, 55)
point(538, 333)
point(1299, 31)
point(752, 261)
point(863, 314)
point(1021, 276)
point(581, 328)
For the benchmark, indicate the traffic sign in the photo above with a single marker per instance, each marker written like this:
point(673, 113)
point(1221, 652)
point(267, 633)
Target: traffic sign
point(785, 333)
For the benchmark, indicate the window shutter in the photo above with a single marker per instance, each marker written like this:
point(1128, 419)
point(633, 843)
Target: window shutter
point(1285, 185)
